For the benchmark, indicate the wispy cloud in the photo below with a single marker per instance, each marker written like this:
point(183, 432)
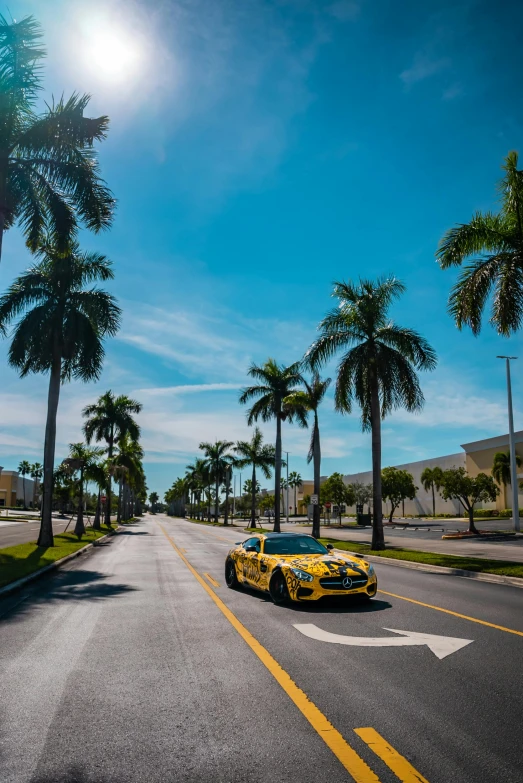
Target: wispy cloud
point(422, 68)
point(452, 92)
point(344, 10)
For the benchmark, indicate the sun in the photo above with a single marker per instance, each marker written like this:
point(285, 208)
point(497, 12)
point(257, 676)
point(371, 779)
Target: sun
point(111, 54)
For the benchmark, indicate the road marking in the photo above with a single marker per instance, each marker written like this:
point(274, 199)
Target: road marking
point(394, 760)
point(454, 614)
point(211, 580)
point(441, 646)
point(348, 757)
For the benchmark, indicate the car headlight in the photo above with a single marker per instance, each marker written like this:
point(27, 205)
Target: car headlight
point(303, 576)
point(370, 570)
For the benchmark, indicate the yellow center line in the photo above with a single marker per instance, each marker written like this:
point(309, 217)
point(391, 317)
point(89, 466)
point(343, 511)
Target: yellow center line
point(454, 614)
point(394, 760)
point(354, 764)
point(211, 580)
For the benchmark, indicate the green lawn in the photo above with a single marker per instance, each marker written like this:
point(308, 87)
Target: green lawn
point(500, 567)
point(23, 559)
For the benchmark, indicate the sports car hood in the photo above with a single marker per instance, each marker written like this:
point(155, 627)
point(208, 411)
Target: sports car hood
point(326, 565)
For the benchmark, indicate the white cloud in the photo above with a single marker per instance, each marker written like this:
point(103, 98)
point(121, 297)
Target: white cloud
point(422, 68)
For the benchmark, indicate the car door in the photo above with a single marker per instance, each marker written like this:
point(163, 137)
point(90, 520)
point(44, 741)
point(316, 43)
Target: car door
point(251, 562)
point(242, 561)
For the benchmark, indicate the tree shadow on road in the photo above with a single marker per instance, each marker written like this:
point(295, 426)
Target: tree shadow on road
point(75, 774)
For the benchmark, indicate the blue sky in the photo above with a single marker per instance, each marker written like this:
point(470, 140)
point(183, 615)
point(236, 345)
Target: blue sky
point(258, 151)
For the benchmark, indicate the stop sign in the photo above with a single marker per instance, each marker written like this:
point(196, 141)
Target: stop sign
point(327, 505)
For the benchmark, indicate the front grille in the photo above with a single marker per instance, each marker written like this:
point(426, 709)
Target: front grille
point(336, 582)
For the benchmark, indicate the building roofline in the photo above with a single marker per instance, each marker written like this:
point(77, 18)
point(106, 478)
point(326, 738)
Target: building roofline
point(491, 443)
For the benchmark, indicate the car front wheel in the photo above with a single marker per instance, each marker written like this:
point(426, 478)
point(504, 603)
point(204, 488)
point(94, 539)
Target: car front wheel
point(278, 589)
point(231, 578)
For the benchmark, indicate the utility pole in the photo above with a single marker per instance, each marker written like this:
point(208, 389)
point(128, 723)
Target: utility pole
point(512, 447)
point(287, 488)
point(234, 498)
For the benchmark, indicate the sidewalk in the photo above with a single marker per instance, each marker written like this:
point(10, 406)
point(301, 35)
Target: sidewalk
point(425, 540)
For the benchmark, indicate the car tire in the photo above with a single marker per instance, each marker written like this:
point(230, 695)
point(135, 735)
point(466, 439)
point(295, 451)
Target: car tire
point(278, 589)
point(231, 578)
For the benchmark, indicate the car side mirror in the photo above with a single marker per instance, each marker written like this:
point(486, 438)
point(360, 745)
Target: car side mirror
point(329, 546)
point(251, 549)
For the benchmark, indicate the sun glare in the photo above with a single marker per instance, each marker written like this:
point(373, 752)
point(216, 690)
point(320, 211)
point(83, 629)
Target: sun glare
point(113, 55)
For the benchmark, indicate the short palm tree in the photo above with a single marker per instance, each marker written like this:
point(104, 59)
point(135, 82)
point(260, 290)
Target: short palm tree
point(61, 330)
point(431, 481)
point(108, 419)
point(153, 500)
point(24, 469)
point(37, 471)
point(501, 469)
point(218, 463)
point(97, 471)
point(494, 243)
point(295, 481)
point(49, 174)
point(82, 458)
point(128, 459)
point(310, 399)
point(378, 365)
point(276, 382)
point(197, 477)
point(260, 456)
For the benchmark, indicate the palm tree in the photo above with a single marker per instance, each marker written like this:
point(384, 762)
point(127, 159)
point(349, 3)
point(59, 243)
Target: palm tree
point(96, 471)
point(24, 468)
point(197, 477)
point(108, 419)
point(218, 462)
point(49, 174)
point(295, 481)
point(276, 383)
point(501, 470)
point(310, 399)
point(37, 471)
point(128, 461)
point(261, 456)
point(378, 365)
point(494, 243)
point(153, 500)
point(61, 331)
point(81, 457)
point(431, 480)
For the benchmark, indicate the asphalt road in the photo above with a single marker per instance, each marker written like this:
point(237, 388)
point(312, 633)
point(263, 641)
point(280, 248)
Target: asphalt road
point(12, 532)
point(124, 668)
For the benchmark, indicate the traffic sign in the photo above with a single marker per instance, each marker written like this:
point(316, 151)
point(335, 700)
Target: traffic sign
point(314, 500)
point(327, 505)
point(103, 498)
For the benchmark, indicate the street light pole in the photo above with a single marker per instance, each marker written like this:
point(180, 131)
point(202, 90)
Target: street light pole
point(512, 447)
point(287, 488)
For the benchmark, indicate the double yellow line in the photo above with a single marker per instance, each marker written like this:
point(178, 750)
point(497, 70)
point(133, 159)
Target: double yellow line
point(346, 755)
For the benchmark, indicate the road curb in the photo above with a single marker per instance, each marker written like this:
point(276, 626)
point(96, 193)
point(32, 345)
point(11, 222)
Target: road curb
point(497, 579)
point(12, 586)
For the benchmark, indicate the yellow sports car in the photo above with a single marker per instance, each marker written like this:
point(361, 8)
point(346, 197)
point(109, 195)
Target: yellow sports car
point(296, 567)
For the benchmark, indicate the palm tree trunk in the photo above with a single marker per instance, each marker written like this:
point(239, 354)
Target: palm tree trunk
point(45, 537)
point(216, 501)
point(277, 474)
point(317, 468)
point(109, 481)
point(433, 502)
point(97, 513)
point(253, 496)
point(378, 540)
point(79, 528)
point(120, 498)
point(23, 483)
point(226, 513)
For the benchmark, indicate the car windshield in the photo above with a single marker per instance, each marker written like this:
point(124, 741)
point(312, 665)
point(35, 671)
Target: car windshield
point(293, 545)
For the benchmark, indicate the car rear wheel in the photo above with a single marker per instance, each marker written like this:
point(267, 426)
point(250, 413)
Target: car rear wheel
point(231, 578)
point(278, 589)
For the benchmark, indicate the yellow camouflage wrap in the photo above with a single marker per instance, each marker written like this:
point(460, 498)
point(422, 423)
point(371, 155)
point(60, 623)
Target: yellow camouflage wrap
point(333, 573)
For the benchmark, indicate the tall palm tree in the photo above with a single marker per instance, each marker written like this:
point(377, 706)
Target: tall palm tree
point(61, 332)
point(96, 471)
point(431, 481)
point(108, 419)
point(218, 462)
point(501, 470)
point(261, 456)
point(276, 382)
point(378, 365)
point(128, 459)
point(197, 475)
point(49, 174)
point(24, 468)
point(81, 458)
point(310, 399)
point(494, 243)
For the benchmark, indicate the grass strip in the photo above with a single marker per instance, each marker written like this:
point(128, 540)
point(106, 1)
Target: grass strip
point(24, 559)
point(483, 565)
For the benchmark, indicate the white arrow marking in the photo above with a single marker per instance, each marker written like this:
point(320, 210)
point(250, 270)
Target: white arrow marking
point(441, 646)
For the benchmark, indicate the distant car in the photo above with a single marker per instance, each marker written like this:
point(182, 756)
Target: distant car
point(296, 567)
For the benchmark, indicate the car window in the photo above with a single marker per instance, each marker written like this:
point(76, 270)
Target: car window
point(252, 542)
point(293, 545)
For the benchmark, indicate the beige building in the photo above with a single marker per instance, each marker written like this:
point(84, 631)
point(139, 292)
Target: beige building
point(12, 489)
point(476, 457)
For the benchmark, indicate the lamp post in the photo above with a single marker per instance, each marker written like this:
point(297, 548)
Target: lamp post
point(287, 487)
point(512, 447)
